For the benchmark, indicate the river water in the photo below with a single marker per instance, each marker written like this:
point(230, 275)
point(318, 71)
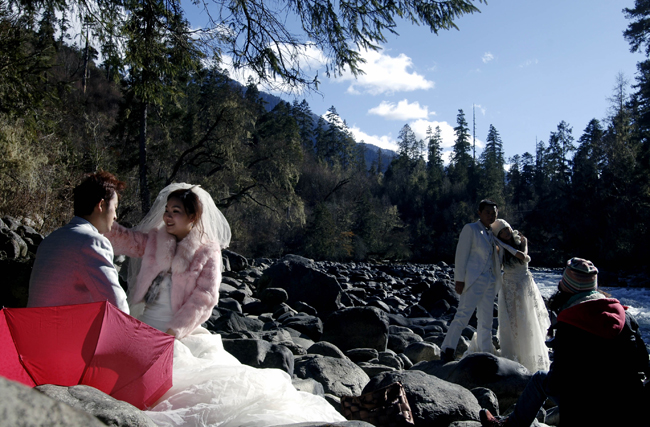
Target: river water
point(638, 299)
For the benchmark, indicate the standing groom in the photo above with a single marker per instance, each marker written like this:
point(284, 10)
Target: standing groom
point(477, 267)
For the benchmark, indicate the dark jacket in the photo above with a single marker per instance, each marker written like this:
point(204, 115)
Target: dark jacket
point(598, 361)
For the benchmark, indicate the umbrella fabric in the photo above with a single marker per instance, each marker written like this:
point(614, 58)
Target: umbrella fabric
point(94, 344)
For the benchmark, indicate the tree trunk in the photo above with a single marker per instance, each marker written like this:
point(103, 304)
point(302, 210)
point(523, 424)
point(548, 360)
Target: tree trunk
point(145, 196)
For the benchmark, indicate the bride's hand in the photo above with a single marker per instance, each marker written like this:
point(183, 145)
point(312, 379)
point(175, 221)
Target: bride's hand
point(171, 332)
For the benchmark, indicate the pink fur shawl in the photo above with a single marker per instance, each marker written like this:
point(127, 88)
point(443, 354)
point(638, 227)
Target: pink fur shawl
point(195, 266)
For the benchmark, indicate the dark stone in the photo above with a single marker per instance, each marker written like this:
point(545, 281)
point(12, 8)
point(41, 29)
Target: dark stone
point(311, 326)
point(261, 354)
point(230, 304)
point(440, 290)
point(325, 348)
point(23, 406)
point(303, 282)
point(340, 377)
point(358, 355)
point(506, 378)
point(236, 261)
point(107, 409)
point(223, 320)
point(273, 296)
point(357, 327)
point(434, 402)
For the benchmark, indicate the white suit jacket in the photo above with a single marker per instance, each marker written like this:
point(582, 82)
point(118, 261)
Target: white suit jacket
point(474, 251)
point(74, 265)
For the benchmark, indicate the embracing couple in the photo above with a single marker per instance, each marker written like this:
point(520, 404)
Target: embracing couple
point(484, 247)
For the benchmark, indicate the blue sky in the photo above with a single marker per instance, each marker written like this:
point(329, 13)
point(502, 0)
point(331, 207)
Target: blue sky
point(525, 65)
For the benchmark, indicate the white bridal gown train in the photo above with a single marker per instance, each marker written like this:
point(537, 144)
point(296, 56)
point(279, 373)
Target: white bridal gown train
point(523, 319)
point(212, 388)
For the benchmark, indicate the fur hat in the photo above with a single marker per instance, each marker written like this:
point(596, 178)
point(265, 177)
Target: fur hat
point(580, 275)
point(499, 225)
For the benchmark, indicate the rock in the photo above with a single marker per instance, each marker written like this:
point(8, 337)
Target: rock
point(362, 354)
point(311, 326)
point(340, 377)
point(230, 304)
point(308, 385)
point(506, 378)
point(24, 406)
point(305, 308)
point(107, 409)
point(303, 282)
point(337, 424)
point(389, 358)
point(406, 362)
point(357, 327)
point(440, 290)
point(236, 261)
point(12, 244)
point(373, 369)
point(223, 320)
point(422, 351)
point(487, 399)
point(325, 348)
point(398, 341)
point(260, 354)
point(434, 402)
point(273, 296)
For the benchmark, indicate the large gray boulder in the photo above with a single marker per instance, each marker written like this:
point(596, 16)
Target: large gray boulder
point(303, 282)
point(107, 409)
point(434, 402)
point(422, 351)
point(260, 354)
point(340, 377)
point(357, 327)
point(506, 378)
point(226, 321)
point(24, 406)
point(338, 424)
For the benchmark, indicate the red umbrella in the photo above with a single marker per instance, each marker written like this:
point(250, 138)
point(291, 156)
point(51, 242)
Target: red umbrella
point(94, 344)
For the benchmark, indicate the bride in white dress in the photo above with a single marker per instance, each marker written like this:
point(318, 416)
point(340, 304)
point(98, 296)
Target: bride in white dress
point(174, 278)
point(523, 317)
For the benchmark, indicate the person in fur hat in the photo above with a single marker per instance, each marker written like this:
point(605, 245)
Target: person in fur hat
point(599, 359)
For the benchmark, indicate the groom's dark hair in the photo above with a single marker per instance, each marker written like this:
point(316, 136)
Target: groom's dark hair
point(95, 188)
point(486, 202)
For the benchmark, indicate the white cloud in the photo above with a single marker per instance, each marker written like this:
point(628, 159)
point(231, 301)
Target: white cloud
point(487, 57)
point(385, 142)
point(420, 127)
point(528, 63)
point(480, 108)
point(401, 111)
point(308, 59)
point(385, 74)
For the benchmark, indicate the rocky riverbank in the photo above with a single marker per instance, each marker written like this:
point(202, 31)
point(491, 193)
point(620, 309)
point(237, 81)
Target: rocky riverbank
point(339, 329)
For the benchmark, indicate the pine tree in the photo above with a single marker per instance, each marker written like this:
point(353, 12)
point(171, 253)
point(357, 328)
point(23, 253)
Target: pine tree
point(461, 163)
point(435, 163)
point(492, 177)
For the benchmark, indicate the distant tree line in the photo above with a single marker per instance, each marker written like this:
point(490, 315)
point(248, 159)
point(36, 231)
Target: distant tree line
point(156, 112)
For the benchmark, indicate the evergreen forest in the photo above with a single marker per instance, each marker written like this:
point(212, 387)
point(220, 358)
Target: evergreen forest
point(152, 109)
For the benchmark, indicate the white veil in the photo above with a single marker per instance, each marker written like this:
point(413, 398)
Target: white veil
point(212, 226)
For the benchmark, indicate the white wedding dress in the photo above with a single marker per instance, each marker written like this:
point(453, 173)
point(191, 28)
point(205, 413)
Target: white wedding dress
point(212, 388)
point(523, 319)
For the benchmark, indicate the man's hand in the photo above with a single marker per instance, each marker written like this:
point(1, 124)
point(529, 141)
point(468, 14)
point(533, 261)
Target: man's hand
point(459, 287)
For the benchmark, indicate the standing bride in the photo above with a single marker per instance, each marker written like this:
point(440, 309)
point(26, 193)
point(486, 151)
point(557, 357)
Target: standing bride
point(523, 317)
point(174, 278)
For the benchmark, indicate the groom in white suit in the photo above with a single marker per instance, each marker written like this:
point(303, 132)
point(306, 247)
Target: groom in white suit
point(476, 271)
